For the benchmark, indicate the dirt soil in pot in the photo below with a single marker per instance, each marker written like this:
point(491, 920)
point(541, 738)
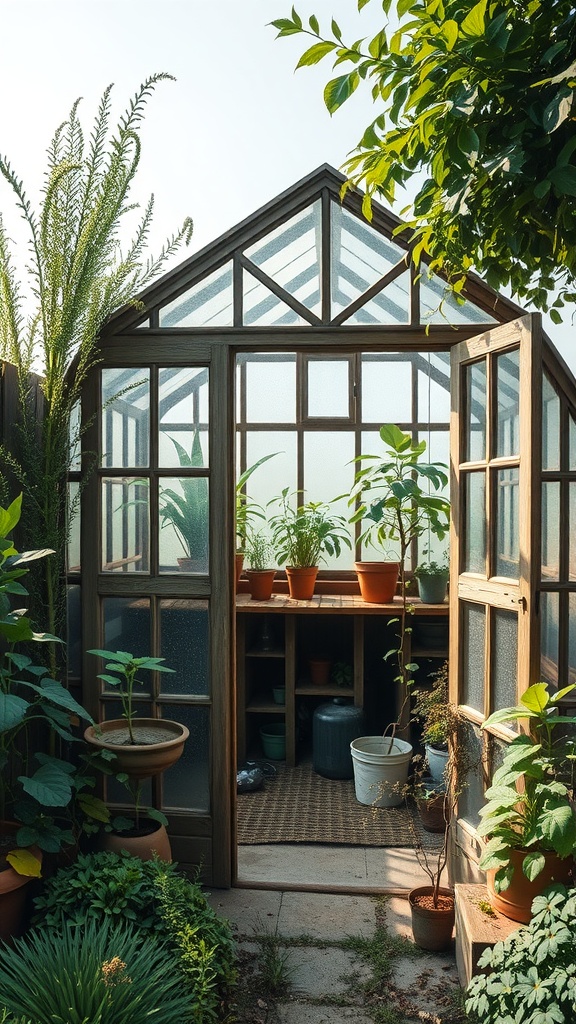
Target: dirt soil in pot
point(143, 736)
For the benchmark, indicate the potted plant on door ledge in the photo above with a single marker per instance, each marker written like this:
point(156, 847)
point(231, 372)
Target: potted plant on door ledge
point(302, 535)
point(529, 817)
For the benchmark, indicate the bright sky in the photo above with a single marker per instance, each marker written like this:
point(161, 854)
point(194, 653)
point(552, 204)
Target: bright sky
point(236, 128)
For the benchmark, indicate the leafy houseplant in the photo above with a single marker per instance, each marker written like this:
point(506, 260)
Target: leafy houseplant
point(432, 581)
point(528, 816)
point(302, 534)
point(439, 720)
point(531, 975)
point(260, 571)
point(246, 510)
point(187, 512)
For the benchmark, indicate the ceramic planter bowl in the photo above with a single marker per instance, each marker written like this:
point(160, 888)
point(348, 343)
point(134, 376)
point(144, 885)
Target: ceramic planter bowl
point(146, 758)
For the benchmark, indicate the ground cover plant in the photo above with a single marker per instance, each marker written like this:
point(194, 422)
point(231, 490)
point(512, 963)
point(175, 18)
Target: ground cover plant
point(163, 904)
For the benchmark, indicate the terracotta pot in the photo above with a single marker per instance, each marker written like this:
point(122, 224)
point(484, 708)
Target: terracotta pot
point(377, 581)
point(431, 813)
point(319, 671)
point(261, 582)
point(141, 760)
point(516, 901)
point(239, 565)
point(145, 842)
point(301, 582)
point(432, 926)
point(14, 892)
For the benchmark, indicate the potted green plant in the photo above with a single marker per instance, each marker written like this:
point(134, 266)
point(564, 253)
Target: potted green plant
point(260, 571)
point(301, 535)
point(439, 721)
point(528, 817)
point(246, 511)
point(186, 511)
point(432, 580)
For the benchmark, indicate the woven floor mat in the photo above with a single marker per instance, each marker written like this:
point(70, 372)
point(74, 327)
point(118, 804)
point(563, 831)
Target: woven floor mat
point(297, 805)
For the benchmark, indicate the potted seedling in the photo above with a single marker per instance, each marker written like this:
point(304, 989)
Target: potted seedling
point(432, 580)
point(302, 535)
point(246, 511)
point(260, 570)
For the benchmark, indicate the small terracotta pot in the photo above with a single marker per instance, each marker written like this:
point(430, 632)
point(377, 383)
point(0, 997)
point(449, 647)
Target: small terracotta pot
point(141, 760)
point(301, 582)
point(319, 671)
point(13, 893)
point(144, 843)
point(516, 901)
point(432, 926)
point(377, 581)
point(260, 582)
point(239, 565)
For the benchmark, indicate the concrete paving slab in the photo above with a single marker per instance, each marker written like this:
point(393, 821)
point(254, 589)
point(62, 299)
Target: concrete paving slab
point(397, 920)
point(317, 972)
point(429, 982)
point(326, 916)
point(306, 1013)
point(303, 864)
point(253, 911)
point(393, 868)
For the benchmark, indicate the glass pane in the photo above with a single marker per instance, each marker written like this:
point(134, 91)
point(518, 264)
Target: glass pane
point(386, 391)
point(437, 450)
point(183, 505)
point(472, 797)
point(328, 472)
point(508, 395)
point(550, 426)
point(390, 306)
point(187, 784)
point(571, 639)
point(329, 388)
point(473, 643)
point(185, 646)
point(439, 305)
point(183, 417)
point(74, 538)
point(434, 387)
point(74, 631)
point(292, 256)
point(75, 460)
point(206, 304)
point(572, 432)
point(127, 628)
point(269, 480)
point(507, 550)
point(271, 389)
point(475, 385)
point(551, 528)
point(360, 257)
point(125, 525)
point(549, 618)
point(572, 545)
point(505, 659)
point(125, 418)
point(475, 523)
point(261, 308)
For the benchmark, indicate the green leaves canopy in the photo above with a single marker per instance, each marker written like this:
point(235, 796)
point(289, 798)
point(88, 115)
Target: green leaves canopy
point(478, 96)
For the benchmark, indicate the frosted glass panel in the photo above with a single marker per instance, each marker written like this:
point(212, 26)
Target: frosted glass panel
point(475, 384)
point(271, 389)
point(125, 418)
point(183, 505)
point(507, 551)
point(261, 308)
point(74, 538)
point(473, 642)
point(127, 628)
point(550, 426)
point(328, 473)
point(360, 256)
point(505, 659)
point(329, 388)
point(74, 434)
point(183, 417)
point(74, 630)
point(386, 392)
point(292, 256)
point(434, 388)
point(475, 523)
point(125, 525)
point(390, 306)
point(206, 304)
point(549, 618)
point(572, 543)
point(508, 396)
point(187, 784)
point(551, 528)
point(185, 646)
point(472, 797)
point(269, 480)
point(571, 639)
point(572, 432)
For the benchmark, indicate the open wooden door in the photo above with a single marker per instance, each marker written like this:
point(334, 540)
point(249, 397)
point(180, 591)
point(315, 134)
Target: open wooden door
point(496, 386)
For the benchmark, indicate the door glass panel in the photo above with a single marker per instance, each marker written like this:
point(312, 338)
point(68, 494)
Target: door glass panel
point(550, 530)
point(186, 785)
point(508, 397)
point(125, 525)
point(471, 798)
point(74, 630)
point(572, 548)
point(292, 256)
point(125, 418)
point(475, 523)
point(271, 389)
point(475, 390)
point(550, 426)
point(572, 432)
point(206, 304)
point(549, 618)
point(507, 553)
point(185, 646)
point(329, 388)
point(505, 659)
point(386, 391)
point(183, 417)
point(473, 644)
point(571, 638)
point(127, 628)
point(74, 535)
point(183, 506)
